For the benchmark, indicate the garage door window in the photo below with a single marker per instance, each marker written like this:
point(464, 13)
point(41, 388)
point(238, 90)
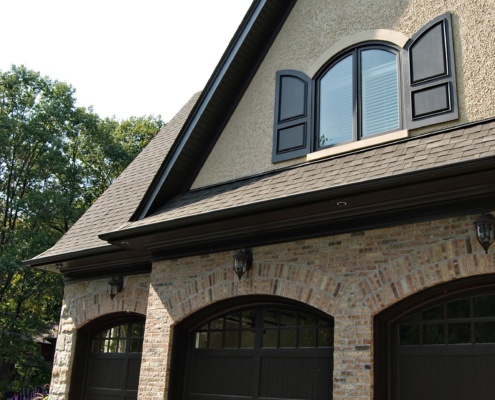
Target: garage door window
point(469, 320)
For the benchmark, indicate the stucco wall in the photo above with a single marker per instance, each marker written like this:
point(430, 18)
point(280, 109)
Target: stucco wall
point(312, 33)
point(351, 277)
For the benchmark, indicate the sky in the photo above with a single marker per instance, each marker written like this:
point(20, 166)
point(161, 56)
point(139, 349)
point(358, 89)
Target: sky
point(124, 57)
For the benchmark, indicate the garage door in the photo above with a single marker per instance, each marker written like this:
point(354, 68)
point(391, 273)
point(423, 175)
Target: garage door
point(446, 350)
point(275, 352)
point(114, 361)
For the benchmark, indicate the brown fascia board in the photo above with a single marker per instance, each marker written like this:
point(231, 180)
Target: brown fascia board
point(226, 85)
point(103, 261)
point(464, 188)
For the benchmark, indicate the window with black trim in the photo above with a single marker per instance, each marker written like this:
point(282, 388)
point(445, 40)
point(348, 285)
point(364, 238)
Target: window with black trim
point(369, 90)
point(358, 96)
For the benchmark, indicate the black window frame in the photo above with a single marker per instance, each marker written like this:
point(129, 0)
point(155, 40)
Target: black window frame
point(427, 91)
point(355, 52)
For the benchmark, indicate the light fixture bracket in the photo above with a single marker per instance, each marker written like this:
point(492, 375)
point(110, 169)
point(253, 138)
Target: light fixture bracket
point(243, 260)
point(485, 230)
point(115, 285)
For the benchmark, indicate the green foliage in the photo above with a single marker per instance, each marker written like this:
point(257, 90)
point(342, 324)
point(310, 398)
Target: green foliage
point(55, 160)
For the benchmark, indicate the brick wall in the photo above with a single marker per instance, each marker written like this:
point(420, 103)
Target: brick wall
point(84, 302)
point(351, 277)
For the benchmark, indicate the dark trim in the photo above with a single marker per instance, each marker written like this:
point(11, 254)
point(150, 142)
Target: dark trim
point(385, 319)
point(217, 102)
point(466, 182)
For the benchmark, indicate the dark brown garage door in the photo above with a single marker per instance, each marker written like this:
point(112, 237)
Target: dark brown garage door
point(114, 362)
point(261, 352)
point(446, 351)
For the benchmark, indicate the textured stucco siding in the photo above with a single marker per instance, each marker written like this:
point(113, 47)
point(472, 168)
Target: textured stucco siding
point(313, 30)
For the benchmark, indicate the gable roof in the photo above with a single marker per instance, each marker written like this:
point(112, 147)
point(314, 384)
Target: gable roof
point(219, 99)
point(439, 174)
point(116, 205)
point(150, 213)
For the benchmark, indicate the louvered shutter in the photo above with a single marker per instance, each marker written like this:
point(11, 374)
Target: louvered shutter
point(293, 109)
point(430, 93)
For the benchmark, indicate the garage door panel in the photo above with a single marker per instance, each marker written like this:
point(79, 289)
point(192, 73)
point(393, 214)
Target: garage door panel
point(220, 375)
point(308, 378)
point(106, 372)
point(223, 366)
point(456, 377)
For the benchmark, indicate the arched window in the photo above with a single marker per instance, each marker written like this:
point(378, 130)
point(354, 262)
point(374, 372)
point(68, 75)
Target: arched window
point(358, 96)
point(369, 90)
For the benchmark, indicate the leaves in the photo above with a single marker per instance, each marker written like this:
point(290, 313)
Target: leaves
point(55, 160)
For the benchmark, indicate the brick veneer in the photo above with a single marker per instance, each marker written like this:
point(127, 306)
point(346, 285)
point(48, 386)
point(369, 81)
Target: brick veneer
point(351, 277)
point(83, 302)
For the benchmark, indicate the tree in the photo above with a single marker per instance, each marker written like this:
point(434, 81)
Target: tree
point(55, 160)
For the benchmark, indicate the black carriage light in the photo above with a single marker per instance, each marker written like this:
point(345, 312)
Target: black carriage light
point(115, 286)
point(485, 230)
point(243, 260)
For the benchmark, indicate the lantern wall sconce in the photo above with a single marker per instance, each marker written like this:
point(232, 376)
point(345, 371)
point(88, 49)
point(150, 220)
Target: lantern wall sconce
point(115, 285)
point(243, 260)
point(485, 230)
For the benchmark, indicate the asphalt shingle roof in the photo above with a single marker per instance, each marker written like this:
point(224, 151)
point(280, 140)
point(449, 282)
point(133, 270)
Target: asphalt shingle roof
point(421, 153)
point(112, 211)
point(120, 200)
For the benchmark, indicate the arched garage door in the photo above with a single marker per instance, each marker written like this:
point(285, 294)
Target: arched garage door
point(443, 347)
point(260, 352)
point(114, 361)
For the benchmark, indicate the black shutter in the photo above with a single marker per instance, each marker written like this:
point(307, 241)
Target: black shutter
point(430, 93)
point(293, 109)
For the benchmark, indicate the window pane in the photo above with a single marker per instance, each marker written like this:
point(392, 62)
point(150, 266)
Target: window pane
point(458, 309)
point(216, 340)
point(248, 319)
point(306, 320)
point(336, 104)
point(379, 92)
point(484, 306)
point(307, 337)
point(433, 313)
point(270, 338)
point(247, 339)
point(270, 318)
point(325, 336)
point(231, 339)
point(217, 324)
point(232, 321)
point(138, 330)
point(288, 318)
point(409, 335)
point(433, 334)
point(288, 337)
point(459, 333)
point(485, 332)
point(201, 340)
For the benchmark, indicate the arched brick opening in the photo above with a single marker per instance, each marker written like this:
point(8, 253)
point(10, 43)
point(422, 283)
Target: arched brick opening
point(388, 318)
point(82, 347)
point(182, 332)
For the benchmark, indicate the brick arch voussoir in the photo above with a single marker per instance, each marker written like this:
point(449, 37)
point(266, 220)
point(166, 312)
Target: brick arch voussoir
point(408, 275)
point(97, 304)
point(319, 291)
